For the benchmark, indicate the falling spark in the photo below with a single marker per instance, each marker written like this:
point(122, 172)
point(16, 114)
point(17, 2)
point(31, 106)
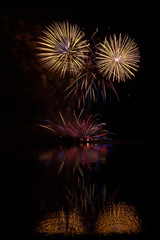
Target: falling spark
point(88, 85)
point(84, 85)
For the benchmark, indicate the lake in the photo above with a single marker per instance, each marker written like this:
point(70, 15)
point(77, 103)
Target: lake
point(80, 190)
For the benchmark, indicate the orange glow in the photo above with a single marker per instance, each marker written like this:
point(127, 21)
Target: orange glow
point(59, 222)
point(120, 218)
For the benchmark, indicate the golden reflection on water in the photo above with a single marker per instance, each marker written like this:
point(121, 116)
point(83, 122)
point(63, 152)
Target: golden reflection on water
point(59, 222)
point(120, 218)
point(114, 218)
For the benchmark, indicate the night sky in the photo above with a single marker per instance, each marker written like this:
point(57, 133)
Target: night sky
point(26, 95)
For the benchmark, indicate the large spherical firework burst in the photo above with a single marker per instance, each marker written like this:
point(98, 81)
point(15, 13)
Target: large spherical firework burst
point(63, 48)
point(118, 58)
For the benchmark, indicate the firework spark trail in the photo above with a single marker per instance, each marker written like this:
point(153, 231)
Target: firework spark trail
point(84, 84)
point(118, 58)
point(73, 130)
point(87, 84)
point(49, 128)
point(63, 48)
point(85, 128)
point(79, 128)
point(62, 118)
point(110, 85)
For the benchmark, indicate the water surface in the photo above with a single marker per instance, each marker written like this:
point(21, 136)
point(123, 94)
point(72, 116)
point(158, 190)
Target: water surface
point(81, 190)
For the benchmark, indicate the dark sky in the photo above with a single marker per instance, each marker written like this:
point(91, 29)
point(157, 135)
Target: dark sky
point(138, 110)
point(122, 15)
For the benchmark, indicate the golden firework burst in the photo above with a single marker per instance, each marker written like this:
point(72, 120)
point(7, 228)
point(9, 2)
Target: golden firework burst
point(63, 48)
point(118, 58)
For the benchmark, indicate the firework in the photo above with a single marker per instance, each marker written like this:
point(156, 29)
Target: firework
point(76, 127)
point(118, 58)
point(63, 48)
point(84, 84)
point(88, 85)
point(84, 129)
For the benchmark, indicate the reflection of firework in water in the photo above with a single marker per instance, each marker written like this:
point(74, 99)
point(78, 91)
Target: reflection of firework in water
point(118, 58)
point(91, 207)
point(59, 222)
point(63, 48)
point(120, 218)
point(83, 155)
point(83, 129)
point(77, 156)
